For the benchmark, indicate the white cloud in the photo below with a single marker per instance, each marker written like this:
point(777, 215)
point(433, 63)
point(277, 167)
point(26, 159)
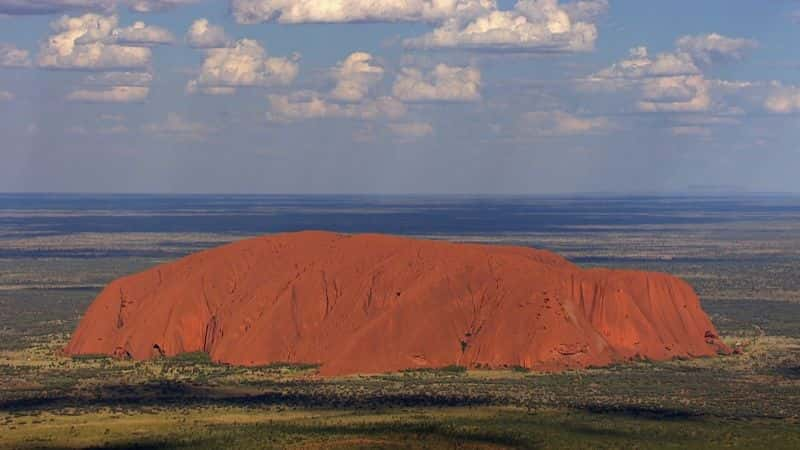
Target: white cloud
point(587, 10)
point(559, 123)
point(244, 64)
point(146, 6)
point(783, 99)
point(410, 131)
point(340, 11)
point(312, 105)
point(670, 89)
point(675, 94)
point(6, 96)
point(533, 25)
point(202, 34)
point(11, 56)
point(672, 81)
point(444, 83)
point(25, 7)
point(668, 82)
point(113, 94)
point(710, 47)
point(349, 98)
point(140, 34)
point(114, 87)
point(81, 43)
point(88, 43)
point(640, 65)
point(355, 76)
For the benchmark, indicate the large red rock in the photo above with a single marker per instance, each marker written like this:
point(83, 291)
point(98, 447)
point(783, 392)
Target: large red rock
point(373, 303)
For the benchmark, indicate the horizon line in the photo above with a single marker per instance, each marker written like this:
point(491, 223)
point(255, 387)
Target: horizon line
point(686, 193)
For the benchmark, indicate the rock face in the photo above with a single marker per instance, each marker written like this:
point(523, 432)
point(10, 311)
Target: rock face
point(373, 303)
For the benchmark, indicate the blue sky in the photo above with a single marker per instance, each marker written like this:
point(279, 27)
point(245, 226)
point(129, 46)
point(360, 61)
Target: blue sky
point(404, 96)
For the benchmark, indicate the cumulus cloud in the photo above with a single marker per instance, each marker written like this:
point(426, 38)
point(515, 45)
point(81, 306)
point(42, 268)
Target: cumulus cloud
point(178, 127)
point(533, 25)
point(202, 34)
point(244, 64)
point(140, 34)
point(146, 6)
point(340, 11)
point(113, 87)
point(26, 7)
point(113, 94)
point(559, 123)
point(34, 7)
point(82, 43)
point(6, 96)
point(410, 131)
point(444, 83)
point(672, 81)
point(355, 76)
point(639, 64)
point(587, 10)
point(667, 82)
point(711, 47)
point(675, 94)
point(311, 105)
point(783, 99)
point(349, 99)
point(11, 56)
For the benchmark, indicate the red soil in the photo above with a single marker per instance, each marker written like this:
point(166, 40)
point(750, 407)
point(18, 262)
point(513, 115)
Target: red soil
point(372, 303)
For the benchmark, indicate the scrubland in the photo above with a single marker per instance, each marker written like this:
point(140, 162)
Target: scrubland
point(747, 274)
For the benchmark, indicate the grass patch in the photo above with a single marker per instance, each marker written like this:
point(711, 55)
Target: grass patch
point(470, 428)
point(289, 366)
point(91, 358)
point(446, 370)
point(202, 358)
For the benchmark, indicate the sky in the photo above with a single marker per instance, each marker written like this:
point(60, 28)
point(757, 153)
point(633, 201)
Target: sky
point(399, 96)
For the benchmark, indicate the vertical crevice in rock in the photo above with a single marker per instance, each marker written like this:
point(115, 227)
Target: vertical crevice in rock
point(122, 305)
point(210, 335)
point(325, 292)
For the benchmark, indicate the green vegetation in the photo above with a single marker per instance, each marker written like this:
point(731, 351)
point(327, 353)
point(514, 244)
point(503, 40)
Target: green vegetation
point(421, 428)
point(191, 358)
point(739, 401)
point(291, 367)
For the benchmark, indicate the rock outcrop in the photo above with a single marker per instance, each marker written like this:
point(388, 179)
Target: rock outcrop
point(374, 303)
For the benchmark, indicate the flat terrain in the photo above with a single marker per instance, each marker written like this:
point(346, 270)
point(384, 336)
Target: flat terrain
point(742, 256)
